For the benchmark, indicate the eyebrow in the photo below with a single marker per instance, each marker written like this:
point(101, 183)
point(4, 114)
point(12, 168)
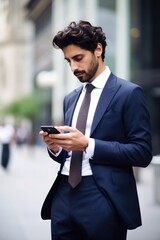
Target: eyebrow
point(77, 55)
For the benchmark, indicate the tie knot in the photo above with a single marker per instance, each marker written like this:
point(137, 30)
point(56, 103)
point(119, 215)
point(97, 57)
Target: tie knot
point(89, 88)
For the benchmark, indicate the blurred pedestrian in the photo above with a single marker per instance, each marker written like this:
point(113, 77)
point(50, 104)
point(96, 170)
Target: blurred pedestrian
point(21, 135)
point(6, 138)
point(99, 201)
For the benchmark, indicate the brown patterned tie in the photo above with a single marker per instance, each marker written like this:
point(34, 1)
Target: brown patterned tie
point(76, 159)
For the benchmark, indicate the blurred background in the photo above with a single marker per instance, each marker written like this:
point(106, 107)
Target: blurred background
point(34, 78)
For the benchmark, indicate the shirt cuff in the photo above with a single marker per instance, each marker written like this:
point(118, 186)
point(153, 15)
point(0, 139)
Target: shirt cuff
point(55, 154)
point(89, 152)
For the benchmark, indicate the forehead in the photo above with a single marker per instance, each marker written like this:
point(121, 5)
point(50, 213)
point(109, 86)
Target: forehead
point(72, 50)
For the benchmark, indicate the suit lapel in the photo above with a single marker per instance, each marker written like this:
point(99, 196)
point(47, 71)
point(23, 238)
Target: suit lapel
point(110, 89)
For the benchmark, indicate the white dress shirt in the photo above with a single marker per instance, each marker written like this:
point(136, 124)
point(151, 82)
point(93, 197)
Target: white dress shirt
point(99, 84)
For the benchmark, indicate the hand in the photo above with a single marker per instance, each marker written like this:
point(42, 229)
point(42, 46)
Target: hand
point(70, 139)
point(49, 142)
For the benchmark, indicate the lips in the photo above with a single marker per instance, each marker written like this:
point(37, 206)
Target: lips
point(79, 75)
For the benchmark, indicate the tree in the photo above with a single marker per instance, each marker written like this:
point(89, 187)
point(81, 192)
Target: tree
point(24, 108)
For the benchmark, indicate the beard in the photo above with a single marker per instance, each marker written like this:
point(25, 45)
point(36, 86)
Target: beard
point(87, 76)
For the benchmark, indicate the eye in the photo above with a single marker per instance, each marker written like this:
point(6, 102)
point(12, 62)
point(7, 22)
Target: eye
point(78, 58)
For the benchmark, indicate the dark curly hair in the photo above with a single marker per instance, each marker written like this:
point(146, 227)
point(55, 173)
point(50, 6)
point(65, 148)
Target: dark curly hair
point(81, 34)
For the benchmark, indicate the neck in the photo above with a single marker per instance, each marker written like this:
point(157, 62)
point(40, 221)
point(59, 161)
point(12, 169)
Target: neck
point(100, 69)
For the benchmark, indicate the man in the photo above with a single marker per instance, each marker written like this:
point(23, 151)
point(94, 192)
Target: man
point(6, 138)
point(104, 203)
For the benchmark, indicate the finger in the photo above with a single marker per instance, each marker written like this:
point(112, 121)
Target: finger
point(67, 129)
point(61, 136)
point(42, 133)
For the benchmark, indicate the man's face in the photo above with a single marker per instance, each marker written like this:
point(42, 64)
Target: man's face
point(83, 63)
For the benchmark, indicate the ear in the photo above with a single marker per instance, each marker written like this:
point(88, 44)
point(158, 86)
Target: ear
point(98, 50)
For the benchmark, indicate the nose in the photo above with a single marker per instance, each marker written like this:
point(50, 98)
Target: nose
point(73, 66)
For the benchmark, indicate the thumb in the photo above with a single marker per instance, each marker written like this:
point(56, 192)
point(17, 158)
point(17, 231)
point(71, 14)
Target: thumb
point(67, 129)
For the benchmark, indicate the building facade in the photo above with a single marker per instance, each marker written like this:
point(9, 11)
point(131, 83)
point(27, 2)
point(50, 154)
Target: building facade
point(16, 52)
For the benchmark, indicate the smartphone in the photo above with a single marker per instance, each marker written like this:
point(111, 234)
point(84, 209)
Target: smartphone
point(50, 129)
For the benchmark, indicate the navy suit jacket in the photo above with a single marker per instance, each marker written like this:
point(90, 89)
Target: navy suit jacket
point(121, 129)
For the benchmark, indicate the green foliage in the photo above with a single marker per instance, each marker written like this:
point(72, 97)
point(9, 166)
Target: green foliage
point(26, 107)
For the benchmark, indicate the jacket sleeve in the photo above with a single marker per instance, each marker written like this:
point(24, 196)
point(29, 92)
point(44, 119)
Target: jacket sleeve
point(126, 141)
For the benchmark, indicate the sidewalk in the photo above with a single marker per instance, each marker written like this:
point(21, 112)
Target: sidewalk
point(23, 189)
point(22, 192)
point(150, 210)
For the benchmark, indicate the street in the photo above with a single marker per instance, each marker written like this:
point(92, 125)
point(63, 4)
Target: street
point(24, 186)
